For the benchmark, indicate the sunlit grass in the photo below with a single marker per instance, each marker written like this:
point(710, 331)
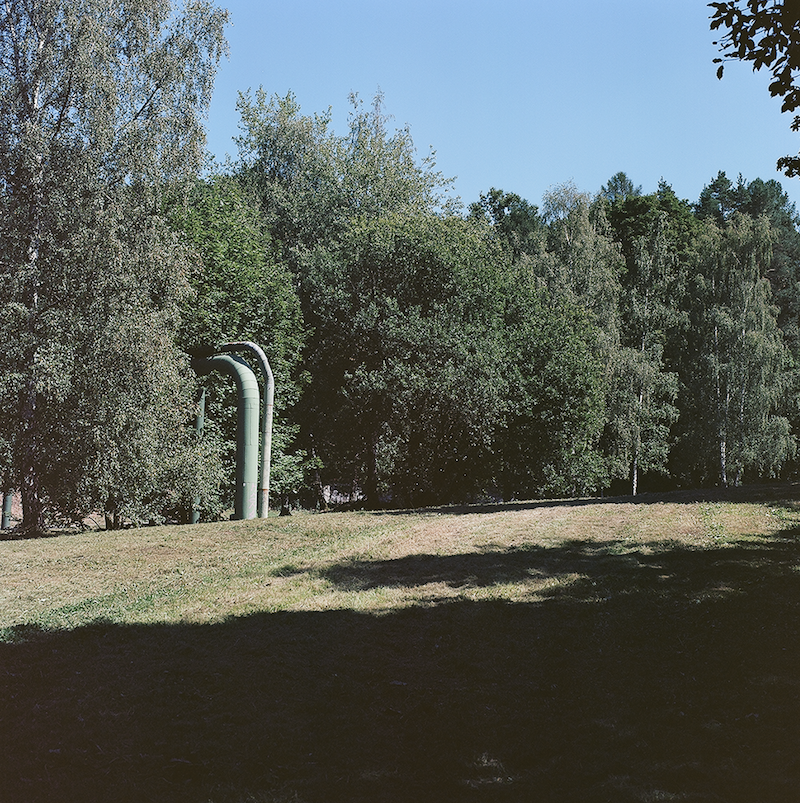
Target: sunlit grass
point(209, 572)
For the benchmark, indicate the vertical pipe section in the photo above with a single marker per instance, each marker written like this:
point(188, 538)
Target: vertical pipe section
point(266, 429)
point(5, 523)
point(199, 426)
point(8, 496)
point(246, 428)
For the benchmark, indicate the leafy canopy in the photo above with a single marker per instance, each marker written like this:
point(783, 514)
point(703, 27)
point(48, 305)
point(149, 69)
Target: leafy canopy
point(766, 33)
point(101, 106)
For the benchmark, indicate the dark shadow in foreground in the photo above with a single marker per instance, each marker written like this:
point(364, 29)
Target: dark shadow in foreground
point(669, 676)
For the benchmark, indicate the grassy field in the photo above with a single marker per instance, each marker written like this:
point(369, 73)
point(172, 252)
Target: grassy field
point(591, 650)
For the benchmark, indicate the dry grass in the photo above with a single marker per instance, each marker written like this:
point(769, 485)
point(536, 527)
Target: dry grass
point(209, 572)
point(590, 650)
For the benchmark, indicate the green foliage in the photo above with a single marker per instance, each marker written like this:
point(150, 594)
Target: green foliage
point(640, 410)
point(619, 188)
point(241, 292)
point(320, 195)
point(555, 398)
point(582, 264)
point(288, 160)
point(379, 170)
point(515, 221)
point(643, 391)
point(403, 358)
point(766, 33)
point(655, 232)
point(311, 183)
point(421, 356)
point(100, 107)
point(118, 444)
point(739, 359)
point(722, 198)
point(111, 380)
point(637, 216)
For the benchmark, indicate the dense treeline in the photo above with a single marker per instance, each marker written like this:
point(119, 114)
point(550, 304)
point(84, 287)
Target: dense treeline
point(433, 353)
point(425, 352)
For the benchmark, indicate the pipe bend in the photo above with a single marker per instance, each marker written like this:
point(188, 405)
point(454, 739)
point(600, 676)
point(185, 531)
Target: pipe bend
point(247, 440)
point(266, 428)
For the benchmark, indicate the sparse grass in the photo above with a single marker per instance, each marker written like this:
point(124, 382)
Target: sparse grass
point(590, 650)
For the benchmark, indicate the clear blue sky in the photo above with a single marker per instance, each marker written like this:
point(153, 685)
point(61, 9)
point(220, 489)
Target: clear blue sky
point(522, 94)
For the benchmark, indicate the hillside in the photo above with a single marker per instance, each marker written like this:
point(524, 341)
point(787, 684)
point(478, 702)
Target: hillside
point(584, 650)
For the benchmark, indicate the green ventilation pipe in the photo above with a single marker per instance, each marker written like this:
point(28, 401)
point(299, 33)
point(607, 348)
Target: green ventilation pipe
point(245, 506)
point(5, 523)
point(199, 425)
point(266, 427)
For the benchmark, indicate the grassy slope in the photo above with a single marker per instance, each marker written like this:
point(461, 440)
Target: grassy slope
point(589, 651)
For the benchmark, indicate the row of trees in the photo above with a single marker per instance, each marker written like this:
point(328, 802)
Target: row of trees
point(424, 352)
point(442, 353)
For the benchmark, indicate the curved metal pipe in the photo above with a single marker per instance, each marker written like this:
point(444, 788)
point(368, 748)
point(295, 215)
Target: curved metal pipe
point(266, 429)
point(246, 427)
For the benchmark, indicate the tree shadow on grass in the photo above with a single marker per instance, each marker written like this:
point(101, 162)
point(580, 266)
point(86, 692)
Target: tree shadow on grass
point(671, 675)
point(593, 569)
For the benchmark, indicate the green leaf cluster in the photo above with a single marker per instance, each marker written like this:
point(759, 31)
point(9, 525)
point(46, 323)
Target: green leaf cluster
point(101, 105)
point(767, 34)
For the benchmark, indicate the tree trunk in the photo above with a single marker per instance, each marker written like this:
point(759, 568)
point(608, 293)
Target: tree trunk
point(319, 491)
point(371, 489)
point(30, 487)
point(30, 479)
point(112, 515)
point(637, 439)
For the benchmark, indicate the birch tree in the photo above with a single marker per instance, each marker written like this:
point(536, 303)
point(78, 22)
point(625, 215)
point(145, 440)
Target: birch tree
point(742, 361)
point(583, 264)
point(643, 392)
point(101, 104)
